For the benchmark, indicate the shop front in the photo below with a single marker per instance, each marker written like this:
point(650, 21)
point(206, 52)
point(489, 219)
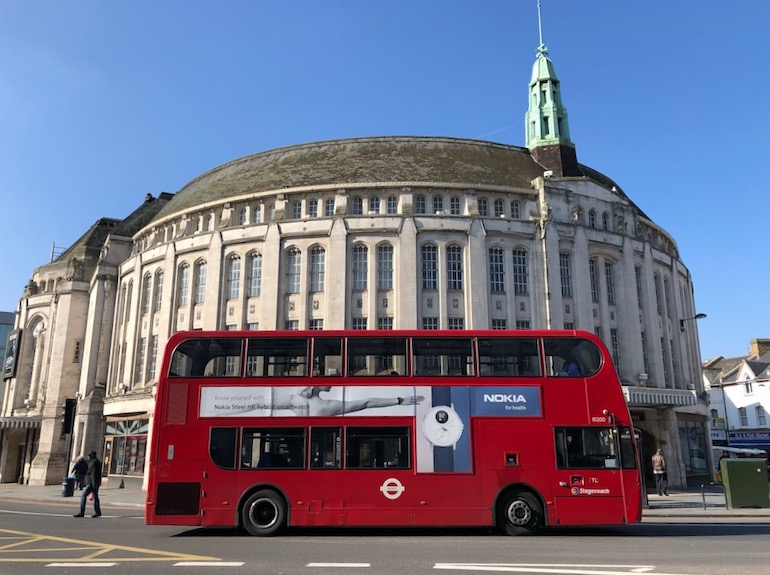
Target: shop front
point(125, 447)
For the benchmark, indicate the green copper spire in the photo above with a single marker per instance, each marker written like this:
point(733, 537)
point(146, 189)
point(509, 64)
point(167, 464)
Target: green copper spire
point(546, 118)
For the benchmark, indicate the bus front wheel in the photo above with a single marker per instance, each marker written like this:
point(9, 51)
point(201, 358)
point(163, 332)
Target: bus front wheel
point(520, 513)
point(264, 513)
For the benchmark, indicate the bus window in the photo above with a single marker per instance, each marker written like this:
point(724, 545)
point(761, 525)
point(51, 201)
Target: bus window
point(592, 448)
point(270, 447)
point(570, 357)
point(376, 356)
point(377, 448)
point(278, 357)
point(223, 445)
point(447, 356)
point(206, 357)
point(509, 357)
point(327, 356)
point(326, 448)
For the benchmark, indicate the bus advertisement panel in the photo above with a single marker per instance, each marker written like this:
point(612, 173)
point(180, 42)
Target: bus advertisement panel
point(516, 430)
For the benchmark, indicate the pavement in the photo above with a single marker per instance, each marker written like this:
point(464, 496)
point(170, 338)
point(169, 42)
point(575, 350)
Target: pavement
point(708, 501)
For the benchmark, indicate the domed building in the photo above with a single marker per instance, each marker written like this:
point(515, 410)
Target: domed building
point(402, 233)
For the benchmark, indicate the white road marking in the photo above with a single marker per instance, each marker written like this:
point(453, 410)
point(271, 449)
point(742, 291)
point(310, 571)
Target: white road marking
point(79, 565)
point(355, 565)
point(552, 569)
point(209, 564)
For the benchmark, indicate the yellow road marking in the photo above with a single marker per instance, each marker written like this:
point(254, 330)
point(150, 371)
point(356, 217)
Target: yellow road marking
point(91, 550)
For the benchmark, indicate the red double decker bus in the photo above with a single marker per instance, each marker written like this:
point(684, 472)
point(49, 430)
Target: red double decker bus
point(513, 429)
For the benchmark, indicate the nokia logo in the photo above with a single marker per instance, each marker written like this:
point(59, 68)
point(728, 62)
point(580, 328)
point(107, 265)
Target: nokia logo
point(504, 398)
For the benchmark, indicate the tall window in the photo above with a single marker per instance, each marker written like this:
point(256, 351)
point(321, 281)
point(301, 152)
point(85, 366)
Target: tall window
point(392, 205)
point(200, 282)
point(184, 284)
point(270, 212)
point(657, 295)
point(312, 208)
point(638, 274)
point(609, 276)
point(158, 290)
point(317, 269)
point(666, 365)
point(242, 219)
point(140, 355)
point(360, 267)
point(605, 221)
point(153, 357)
point(293, 270)
point(233, 277)
point(374, 205)
point(438, 204)
point(667, 295)
point(645, 362)
point(454, 266)
point(615, 347)
point(591, 219)
point(296, 210)
point(565, 273)
point(496, 270)
point(419, 204)
point(454, 206)
point(429, 263)
point(744, 416)
point(594, 280)
point(146, 293)
point(256, 214)
point(499, 208)
point(515, 209)
point(255, 275)
point(761, 418)
point(329, 207)
point(385, 267)
point(357, 206)
point(483, 207)
point(520, 273)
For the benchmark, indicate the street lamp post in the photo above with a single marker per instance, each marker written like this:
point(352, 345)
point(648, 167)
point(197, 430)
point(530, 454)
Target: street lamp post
point(697, 316)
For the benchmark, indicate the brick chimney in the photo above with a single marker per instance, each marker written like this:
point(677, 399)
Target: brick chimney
point(759, 347)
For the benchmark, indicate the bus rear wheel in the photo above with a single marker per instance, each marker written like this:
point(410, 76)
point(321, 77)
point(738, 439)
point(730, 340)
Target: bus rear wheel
point(264, 513)
point(520, 513)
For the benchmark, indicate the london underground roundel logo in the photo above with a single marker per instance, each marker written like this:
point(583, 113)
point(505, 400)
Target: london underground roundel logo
point(392, 488)
point(575, 491)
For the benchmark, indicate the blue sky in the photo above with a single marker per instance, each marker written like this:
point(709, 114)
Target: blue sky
point(104, 102)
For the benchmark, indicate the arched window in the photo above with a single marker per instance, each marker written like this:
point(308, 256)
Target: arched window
point(454, 206)
point(360, 267)
point(146, 293)
point(483, 207)
point(592, 218)
point(242, 217)
point(515, 209)
point(270, 212)
point(200, 282)
point(374, 205)
point(605, 221)
point(317, 269)
point(329, 207)
point(429, 265)
point(357, 206)
point(293, 270)
point(385, 267)
point(496, 270)
point(419, 204)
point(233, 277)
point(312, 208)
point(499, 208)
point(158, 290)
point(256, 214)
point(392, 205)
point(438, 204)
point(184, 284)
point(658, 301)
point(296, 210)
point(454, 268)
point(520, 272)
point(255, 274)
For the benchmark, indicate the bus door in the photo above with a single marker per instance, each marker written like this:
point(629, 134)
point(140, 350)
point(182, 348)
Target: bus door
point(588, 482)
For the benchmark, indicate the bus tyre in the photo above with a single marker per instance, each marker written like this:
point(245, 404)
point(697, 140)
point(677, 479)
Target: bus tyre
point(520, 513)
point(264, 513)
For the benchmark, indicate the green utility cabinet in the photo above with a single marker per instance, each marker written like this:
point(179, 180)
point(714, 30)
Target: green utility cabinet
point(745, 482)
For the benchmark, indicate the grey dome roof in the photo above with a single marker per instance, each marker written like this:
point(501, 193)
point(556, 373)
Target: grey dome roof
point(404, 160)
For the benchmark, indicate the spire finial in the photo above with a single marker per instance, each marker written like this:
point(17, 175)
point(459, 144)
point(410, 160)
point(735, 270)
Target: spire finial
point(542, 49)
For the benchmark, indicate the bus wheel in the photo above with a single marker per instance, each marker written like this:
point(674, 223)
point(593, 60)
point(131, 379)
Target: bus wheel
point(264, 513)
point(520, 514)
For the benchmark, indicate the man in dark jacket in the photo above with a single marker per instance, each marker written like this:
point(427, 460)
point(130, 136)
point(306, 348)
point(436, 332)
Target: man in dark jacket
point(79, 471)
point(93, 481)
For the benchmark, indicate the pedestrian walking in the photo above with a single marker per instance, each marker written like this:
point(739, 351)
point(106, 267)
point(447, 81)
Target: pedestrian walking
point(660, 472)
point(93, 481)
point(79, 471)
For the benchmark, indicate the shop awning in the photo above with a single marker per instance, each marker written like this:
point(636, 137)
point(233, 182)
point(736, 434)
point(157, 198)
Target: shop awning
point(20, 422)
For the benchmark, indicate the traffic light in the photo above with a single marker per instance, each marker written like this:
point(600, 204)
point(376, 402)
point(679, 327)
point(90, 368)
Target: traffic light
point(68, 416)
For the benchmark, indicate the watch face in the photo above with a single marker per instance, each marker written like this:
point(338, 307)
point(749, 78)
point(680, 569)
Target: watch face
point(442, 426)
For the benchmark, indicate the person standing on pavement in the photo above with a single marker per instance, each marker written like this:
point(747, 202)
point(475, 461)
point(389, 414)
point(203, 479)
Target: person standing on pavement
point(659, 470)
point(79, 471)
point(93, 481)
